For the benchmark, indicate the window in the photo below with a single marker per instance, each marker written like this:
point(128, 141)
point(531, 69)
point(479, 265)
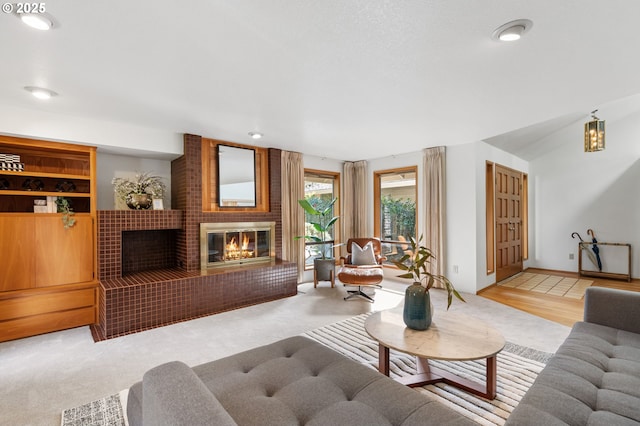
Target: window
point(320, 188)
point(395, 212)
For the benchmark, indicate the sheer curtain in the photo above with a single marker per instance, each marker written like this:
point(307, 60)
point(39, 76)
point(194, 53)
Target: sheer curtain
point(292, 184)
point(354, 221)
point(434, 194)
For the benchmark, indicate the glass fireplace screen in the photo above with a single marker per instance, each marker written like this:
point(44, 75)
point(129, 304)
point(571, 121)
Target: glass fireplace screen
point(226, 244)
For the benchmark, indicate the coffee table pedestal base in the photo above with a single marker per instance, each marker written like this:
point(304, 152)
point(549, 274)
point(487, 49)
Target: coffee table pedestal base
point(428, 375)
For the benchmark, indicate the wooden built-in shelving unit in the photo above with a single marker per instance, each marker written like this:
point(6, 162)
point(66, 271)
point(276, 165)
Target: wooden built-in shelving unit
point(48, 272)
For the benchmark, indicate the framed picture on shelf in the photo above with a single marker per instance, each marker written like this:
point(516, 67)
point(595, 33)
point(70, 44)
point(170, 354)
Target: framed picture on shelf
point(157, 204)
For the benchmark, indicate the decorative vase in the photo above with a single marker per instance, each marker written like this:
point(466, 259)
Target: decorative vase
point(323, 268)
point(139, 201)
point(417, 307)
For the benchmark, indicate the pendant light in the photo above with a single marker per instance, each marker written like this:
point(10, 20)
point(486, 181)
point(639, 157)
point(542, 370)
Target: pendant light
point(594, 134)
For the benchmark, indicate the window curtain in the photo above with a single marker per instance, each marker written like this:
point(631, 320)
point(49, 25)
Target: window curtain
point(355, 215)
point(292, 184)
point(434, 194)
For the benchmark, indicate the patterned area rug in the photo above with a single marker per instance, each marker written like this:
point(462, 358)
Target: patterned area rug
point(518, 367)
point(548, 284)
point(109, 411)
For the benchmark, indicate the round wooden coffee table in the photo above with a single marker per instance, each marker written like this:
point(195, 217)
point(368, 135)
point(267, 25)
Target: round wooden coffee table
point(451, 337)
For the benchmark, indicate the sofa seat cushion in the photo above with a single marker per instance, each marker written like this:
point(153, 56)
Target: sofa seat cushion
point(298, 381)
point(295, 381)
point(594, 378)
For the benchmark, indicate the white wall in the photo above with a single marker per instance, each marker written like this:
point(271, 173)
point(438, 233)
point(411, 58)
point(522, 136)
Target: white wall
point(465, 252)
point(576, 191)
point(466, 212)
point(461, 235)
point(138, 140)
point(110, 166)
point(150, 149)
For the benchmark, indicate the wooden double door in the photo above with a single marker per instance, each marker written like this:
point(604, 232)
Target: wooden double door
point(508, 222)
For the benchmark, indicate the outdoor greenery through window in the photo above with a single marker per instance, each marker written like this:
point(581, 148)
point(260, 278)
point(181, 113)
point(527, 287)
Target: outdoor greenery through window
point(320, 188)
point(395, 211)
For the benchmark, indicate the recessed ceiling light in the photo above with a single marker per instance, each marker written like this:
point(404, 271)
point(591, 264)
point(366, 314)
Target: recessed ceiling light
point(256, 135)
point(40, 92)
point(37, 21)
point(512, 31)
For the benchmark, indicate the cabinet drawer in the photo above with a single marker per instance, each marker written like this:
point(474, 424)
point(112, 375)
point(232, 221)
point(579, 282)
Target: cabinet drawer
point(38, 304)
point(45, 323)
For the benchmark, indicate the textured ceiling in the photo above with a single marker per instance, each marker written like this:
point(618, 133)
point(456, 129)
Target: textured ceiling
point(344, 79)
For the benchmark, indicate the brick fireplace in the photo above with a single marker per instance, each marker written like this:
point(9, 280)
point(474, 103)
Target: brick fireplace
point(149, 261)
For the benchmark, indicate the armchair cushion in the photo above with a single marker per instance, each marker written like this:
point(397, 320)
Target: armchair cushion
point(363, 255)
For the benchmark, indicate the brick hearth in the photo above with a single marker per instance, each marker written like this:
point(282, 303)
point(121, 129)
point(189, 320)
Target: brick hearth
point(160, 281)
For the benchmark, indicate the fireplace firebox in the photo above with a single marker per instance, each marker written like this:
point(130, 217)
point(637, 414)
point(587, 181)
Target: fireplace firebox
point(236, 243)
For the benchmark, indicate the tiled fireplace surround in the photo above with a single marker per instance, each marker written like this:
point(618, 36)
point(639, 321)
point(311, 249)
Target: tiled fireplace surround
point(162, 281)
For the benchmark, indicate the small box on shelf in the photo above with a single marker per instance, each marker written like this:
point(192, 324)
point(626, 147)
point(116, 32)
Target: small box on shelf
point(43, 206)
point(11, 167)
point(9, 158)
point(11, 162)
point(52, 205)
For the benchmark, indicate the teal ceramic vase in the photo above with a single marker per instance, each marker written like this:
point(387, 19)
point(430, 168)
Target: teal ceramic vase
point(417, 307)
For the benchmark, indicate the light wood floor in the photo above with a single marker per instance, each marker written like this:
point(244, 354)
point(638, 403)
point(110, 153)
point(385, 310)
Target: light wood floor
point(562, 310)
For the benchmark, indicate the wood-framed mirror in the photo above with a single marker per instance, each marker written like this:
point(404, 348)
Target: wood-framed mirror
point(211, 175)
point(236, 176)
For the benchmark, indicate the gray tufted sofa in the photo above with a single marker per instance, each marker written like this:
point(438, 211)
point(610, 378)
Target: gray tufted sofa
point(295, 381)
point(594, 377)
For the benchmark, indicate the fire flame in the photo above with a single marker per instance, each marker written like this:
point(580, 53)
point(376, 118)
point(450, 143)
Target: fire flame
point(235, 252)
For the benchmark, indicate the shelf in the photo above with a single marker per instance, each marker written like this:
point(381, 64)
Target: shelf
point(29, 214)
point(27, 174)
point(43, 193)
point(27, 184)
point(18, 201)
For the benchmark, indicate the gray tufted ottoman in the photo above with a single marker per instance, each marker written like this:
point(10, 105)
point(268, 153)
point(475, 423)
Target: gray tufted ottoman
point(295, 381)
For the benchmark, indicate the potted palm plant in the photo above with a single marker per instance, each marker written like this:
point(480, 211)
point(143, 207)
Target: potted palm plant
point(418, 310)
point(322, 223)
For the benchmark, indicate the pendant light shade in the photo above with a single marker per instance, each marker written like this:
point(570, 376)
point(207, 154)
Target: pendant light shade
point(594, 134)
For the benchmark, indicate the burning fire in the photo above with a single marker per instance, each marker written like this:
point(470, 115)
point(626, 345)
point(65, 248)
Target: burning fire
point(235, 252)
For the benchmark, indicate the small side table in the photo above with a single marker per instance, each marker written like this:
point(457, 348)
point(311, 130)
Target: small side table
point(332, 275)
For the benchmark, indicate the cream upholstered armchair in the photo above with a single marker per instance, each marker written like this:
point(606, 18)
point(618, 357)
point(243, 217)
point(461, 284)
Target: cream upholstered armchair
point(362, 266)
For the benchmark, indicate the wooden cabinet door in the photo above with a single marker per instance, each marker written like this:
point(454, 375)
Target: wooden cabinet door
point(63, 256)
point(17, 261)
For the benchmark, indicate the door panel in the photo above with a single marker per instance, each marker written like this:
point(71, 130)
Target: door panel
point(16, 253)
point(65, 256)
point(508, 192)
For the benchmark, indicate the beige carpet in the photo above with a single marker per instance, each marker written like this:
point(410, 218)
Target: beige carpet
point(548, 284)
point(43, 374)
point(517, 368)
